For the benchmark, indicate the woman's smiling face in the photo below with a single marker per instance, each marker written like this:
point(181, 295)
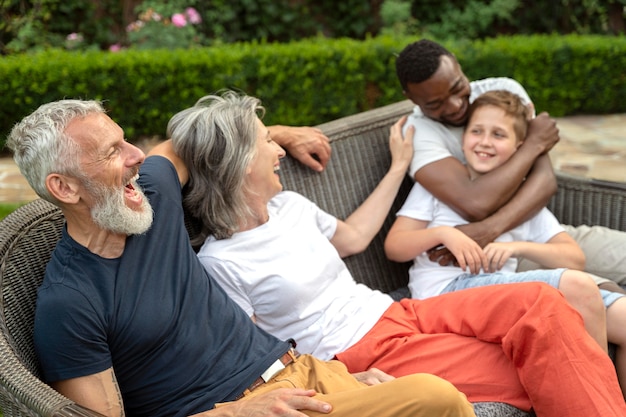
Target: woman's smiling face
point(263, 178)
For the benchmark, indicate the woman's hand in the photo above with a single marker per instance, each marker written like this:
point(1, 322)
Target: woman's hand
point(401, 146)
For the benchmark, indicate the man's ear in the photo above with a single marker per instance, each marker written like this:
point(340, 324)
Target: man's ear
point(63, 188)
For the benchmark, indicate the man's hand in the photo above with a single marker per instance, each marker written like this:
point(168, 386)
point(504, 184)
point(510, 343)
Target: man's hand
point(307, 144)
point(372, 376)
point(542, 132)
point(280, 402)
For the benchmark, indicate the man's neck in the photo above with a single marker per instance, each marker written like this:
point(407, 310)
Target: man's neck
point(103, 243)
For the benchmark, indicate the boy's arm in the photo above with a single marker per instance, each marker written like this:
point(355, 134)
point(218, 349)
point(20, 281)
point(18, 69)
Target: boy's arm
point(561, 251)
point(409, 238)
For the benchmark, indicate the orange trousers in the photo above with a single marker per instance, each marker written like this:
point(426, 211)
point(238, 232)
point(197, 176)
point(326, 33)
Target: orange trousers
point(521, 344)
point(411, 396)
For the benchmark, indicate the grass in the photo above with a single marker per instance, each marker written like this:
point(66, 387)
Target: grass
point(6, 209)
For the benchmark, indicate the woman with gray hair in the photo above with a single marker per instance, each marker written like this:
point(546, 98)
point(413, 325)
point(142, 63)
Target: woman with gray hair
point(278, 256)
point(217, 167)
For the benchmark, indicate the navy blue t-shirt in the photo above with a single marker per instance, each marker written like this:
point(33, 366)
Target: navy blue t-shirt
point(175, 340)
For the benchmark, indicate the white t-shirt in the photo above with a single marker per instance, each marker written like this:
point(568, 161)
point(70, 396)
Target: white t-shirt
point(288, 274)
point(434, 140)
point(427, 278)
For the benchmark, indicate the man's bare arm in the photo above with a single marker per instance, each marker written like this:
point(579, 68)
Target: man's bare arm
point(283, 402)
point(532, 196)
point(166, 149)
point(98, 392)
point(309, 145)
point(448, 179)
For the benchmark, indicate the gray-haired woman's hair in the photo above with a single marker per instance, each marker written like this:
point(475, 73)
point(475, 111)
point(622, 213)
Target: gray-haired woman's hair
point(216, 139)
point(40, 146)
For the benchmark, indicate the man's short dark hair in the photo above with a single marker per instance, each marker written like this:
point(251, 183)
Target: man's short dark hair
point(418, 61)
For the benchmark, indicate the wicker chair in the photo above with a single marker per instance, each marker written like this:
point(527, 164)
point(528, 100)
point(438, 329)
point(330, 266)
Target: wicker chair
point(360, 159)
point(27, 238)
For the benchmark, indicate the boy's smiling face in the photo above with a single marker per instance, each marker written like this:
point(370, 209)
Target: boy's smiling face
point(489, 140)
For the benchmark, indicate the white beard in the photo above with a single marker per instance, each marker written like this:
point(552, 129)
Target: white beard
point(111, 213)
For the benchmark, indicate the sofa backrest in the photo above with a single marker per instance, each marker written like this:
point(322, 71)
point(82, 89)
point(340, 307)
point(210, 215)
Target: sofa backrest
point(360, 158)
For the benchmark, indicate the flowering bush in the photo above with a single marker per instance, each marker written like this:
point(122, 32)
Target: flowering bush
point(162, 26)
point(73, 40)
point(76, 42)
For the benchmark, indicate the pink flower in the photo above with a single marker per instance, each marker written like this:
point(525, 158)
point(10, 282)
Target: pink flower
point(179, 20)
point(116, 47)
point(193, 15)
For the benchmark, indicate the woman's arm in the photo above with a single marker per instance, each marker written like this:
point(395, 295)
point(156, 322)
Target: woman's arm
point(357, 231)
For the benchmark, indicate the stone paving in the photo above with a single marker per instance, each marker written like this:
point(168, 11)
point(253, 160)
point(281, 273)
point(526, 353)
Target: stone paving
point(13, 186)
point(590, 146)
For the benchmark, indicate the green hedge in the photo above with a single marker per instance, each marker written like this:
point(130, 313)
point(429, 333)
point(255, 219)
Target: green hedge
point(564, 75)
point(306, 82)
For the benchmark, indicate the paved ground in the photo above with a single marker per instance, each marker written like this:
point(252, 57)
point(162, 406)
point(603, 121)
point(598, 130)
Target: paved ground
point(590, 146)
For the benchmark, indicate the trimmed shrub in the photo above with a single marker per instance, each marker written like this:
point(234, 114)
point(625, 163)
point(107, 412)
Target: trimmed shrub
point(306, 82)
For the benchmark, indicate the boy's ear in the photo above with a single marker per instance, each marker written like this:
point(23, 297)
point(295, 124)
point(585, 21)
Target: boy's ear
point(531, 111)
point(63, 188)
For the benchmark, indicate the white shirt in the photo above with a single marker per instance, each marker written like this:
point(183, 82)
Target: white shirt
point(288, 274)
point(427, 278)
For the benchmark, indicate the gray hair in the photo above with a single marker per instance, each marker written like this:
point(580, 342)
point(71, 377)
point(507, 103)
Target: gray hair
point(216, 139)
point(41, 147)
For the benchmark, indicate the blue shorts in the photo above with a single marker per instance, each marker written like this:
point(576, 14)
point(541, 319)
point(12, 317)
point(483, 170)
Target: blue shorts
point(549, 276)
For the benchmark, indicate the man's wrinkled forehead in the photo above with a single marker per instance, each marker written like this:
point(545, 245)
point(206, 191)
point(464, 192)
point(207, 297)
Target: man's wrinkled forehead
point(93, 135)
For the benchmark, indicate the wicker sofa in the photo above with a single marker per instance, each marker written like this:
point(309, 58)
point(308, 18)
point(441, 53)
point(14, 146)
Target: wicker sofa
point(360, 158)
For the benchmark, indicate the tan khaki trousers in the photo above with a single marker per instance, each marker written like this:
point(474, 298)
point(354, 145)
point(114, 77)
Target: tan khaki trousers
point(414, 395)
